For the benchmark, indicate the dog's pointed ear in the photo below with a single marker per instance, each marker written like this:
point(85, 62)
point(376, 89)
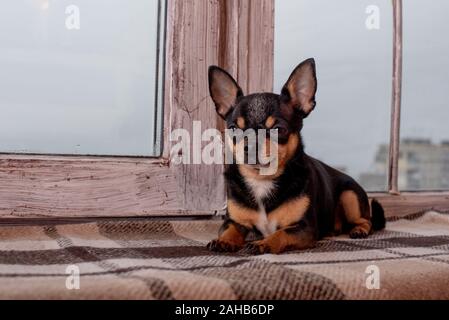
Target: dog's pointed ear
point(223, 89)
point(300, 89)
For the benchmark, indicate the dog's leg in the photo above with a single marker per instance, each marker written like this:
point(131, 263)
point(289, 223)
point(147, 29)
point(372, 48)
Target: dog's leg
point(295, 237)
point(358, 218)
point(231, 237)
point(338, 221)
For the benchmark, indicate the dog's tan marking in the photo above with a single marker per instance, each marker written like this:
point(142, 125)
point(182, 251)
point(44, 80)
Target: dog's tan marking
point(290, 212)
point(245, 216)
point(241, 122)
point(232, 236)
point(269, 123)
point(286, 151)
point(254, 173)
point(351, 207)
point(281, 241)
point(251, 172)
point(338, 222)
point(231, 239)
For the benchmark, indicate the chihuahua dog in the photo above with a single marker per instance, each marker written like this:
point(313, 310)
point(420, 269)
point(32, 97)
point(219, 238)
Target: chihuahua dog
point(304, 200)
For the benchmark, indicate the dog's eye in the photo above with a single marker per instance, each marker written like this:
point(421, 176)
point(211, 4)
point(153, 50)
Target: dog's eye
point(281, 130)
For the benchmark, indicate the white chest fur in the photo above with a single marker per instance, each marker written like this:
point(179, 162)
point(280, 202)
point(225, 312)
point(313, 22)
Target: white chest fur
point(260, 190)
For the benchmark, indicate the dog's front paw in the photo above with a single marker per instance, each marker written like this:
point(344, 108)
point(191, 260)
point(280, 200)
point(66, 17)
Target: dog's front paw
point(358, 232)
point(259, 247)
point(218, 245)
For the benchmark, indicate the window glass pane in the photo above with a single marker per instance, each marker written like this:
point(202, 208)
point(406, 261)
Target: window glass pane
point(424, 158)
point(80, 77)
point(354, 65)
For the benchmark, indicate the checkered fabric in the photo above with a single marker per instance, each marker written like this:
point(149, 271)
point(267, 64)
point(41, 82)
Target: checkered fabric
point(145, 259)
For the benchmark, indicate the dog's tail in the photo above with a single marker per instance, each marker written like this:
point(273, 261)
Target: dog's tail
point(377, 215)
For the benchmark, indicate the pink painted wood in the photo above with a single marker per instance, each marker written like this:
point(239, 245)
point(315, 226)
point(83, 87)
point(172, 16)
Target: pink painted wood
point(396, 99)
point(199, 33)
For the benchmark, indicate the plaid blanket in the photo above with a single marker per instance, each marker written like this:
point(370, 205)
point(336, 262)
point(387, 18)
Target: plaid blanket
point(145, 259)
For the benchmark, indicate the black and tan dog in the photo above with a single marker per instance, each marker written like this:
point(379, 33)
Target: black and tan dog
point(304, 200)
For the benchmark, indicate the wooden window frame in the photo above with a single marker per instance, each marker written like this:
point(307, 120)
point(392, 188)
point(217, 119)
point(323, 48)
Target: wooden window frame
point(199, 33)
point(396, 202)
point(234, 34)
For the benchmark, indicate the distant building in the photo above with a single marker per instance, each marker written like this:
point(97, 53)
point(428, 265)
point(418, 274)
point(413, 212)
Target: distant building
point(373, 181)
point(422, 166)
